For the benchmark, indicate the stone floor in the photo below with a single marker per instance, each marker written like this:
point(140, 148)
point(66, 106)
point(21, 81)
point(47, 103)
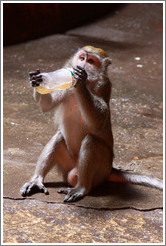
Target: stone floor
point(114, 213)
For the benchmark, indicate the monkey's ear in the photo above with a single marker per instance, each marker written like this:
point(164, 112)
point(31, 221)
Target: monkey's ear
point(106, 62)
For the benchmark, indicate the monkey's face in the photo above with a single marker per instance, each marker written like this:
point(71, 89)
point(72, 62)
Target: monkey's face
point(90, 62)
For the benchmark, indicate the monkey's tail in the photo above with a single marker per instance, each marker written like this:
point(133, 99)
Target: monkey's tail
point(125, 177)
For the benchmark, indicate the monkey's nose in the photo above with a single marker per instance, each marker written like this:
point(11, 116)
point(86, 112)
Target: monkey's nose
point(82, 64)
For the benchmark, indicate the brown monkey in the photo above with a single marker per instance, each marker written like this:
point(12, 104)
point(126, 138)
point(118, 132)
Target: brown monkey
point(82, 147)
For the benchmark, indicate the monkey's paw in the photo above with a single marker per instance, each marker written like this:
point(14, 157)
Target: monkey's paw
point(79, 74)
point(35, 78)
point(30, 188)
point(73, 194)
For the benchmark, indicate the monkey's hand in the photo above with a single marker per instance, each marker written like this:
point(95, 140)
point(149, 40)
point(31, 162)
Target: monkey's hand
point(35, 78)
point(79, 74)
point(35, 184)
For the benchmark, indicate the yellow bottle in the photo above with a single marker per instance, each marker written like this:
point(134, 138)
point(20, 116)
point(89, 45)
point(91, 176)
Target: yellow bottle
point(60, 79)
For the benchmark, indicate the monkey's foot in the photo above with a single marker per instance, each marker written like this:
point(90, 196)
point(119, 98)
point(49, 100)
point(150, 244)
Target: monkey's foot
point(30, 187)
point(73, 194)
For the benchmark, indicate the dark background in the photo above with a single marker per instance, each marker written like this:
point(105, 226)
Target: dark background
point(27, 21)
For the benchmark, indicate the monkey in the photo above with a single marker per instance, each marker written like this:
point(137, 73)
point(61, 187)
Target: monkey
point(82, 147)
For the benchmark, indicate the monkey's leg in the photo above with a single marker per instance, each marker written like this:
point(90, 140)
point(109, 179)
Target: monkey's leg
point(94, 167)
point(55, 152)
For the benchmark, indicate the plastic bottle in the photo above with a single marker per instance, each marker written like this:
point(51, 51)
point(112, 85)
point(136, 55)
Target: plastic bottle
point(60, 79)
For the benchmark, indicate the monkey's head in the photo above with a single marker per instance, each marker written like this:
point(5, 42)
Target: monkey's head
point(94, 60)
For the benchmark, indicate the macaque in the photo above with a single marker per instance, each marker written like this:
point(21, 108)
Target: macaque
point(82, 147)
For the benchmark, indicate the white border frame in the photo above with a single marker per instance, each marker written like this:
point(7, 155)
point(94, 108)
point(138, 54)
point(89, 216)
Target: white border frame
point(163, 2)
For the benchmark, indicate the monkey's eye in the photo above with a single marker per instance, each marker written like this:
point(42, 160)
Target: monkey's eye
point(82, 58)
point(91, 61)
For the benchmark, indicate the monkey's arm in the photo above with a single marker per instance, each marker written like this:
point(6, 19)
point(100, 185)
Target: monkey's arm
point(94, 108)
point(50, 100)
